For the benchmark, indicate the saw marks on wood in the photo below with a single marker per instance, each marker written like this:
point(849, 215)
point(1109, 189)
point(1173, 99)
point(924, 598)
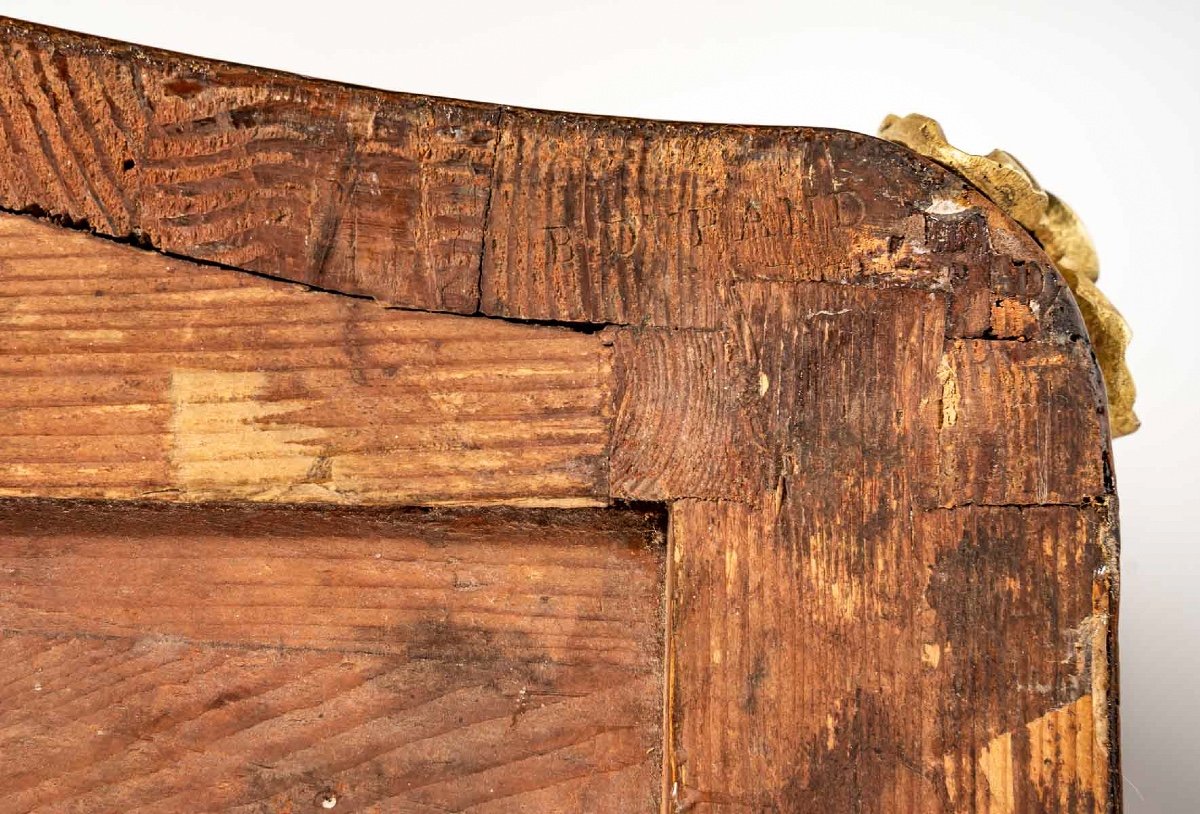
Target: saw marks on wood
point(255, 659)
point(843, 649)
point(864, 396)
point(367, 192)
point(1016, 417)
point(131, 374)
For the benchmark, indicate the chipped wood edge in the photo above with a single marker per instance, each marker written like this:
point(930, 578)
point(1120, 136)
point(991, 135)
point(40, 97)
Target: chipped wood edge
point(1107, 676)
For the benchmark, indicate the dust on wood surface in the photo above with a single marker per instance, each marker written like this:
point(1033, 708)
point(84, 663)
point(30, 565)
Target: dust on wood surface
point(236, 658)
point(131, 375)
point(865, 397)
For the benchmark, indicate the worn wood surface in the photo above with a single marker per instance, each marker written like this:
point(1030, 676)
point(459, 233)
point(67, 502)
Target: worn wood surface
point(131, 374)
point(380, 194)
point(252, 659)
point(864, 398)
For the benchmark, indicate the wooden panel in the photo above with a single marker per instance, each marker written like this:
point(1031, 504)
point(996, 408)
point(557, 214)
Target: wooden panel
point(260, 659)
point(1019, 644)
point(865, 395)
point(134, 375)
point(828, 660)
point(357, 190)
point(841, 651)
point(795, 655)
point(651, 223)
point(1020, 423)
point(849, 373)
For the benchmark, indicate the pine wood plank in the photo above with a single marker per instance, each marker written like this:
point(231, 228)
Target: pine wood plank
point(133, 375)
point(350, 189)
point(263, 658)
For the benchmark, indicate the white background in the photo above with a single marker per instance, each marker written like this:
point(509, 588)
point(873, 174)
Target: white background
point(1098, 98)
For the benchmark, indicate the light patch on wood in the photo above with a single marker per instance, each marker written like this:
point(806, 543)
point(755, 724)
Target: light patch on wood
point(945, 206)
point(950, 767)
point(225, 443)
point(931, 654)
point(950, 394)
point(1012, 318)
point(996, 766)
point(1062, 752)
point(209, 384)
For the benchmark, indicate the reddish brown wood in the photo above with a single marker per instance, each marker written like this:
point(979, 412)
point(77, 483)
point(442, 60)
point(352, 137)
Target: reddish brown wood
point(132, 375)
point(863, 395)
point(353, 189)
point(1060, 399)
point(250, 659)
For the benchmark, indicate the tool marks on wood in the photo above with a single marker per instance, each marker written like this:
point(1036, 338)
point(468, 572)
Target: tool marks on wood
point(248, 659)
point(135, 374)
point(355, 190)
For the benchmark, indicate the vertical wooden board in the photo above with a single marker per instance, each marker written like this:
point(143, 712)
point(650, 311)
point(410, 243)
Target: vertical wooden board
point(847, 373)
point(797, 662)
point(129, 374)
point(262, 659)
point(825, 660)
point(1020, 637)
point(834, 649)
point(650, 223)
point(1021, 423)
point(365, 192)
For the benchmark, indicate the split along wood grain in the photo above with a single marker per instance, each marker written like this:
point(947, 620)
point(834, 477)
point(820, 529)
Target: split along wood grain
point(864, 395)
point(248, 659)
point(811, 295)
point(131, 375)
point(350, 189)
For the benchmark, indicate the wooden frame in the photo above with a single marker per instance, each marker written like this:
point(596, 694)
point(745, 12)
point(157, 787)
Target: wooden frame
point(863, 397)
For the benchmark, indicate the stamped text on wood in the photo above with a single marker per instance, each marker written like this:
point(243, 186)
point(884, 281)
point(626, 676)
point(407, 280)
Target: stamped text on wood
point(864, 396)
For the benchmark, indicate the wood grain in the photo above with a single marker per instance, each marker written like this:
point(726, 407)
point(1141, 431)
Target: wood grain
point(356, 190)
point(799, 305)
point(796, 636)
point(863, 395)
point(687, 422)
point(258, 659)
point(134, 375)
point(1013, 735)
point(653, 223)
point(984, 428)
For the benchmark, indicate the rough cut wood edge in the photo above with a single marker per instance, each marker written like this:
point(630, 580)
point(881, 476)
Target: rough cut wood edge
point(803, 252)
point(130, 375)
